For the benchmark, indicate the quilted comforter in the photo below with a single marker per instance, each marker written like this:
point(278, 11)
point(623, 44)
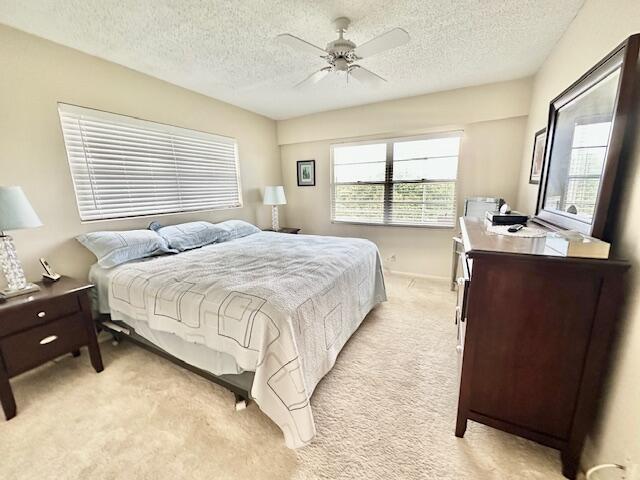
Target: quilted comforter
point(282, 305)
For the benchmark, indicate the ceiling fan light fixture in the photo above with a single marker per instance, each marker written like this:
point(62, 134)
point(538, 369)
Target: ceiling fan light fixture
point(341, 64)
point(341, 54)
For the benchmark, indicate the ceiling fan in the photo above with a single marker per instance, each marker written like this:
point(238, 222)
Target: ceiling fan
point(342, 54)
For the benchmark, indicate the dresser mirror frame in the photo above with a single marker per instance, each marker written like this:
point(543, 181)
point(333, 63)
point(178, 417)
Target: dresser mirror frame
point(626, 59)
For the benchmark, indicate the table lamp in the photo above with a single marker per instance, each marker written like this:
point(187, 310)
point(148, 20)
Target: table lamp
point(15, 213)
point(274, 196)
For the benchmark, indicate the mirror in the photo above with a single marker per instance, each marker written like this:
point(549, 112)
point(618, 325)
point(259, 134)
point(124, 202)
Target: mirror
point(581, 140)
point(586, 134)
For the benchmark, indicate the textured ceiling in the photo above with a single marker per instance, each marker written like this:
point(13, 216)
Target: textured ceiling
point(227, 49)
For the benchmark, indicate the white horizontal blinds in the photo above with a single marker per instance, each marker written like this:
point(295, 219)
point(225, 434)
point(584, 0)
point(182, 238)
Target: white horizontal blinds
point(424, 180)
point(397, 182)
point(359, 183)
point(123, 167)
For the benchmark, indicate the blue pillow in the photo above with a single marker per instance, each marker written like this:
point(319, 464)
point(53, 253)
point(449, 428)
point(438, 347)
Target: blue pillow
point(186, 236)
point(238, 228)
point(114, 248)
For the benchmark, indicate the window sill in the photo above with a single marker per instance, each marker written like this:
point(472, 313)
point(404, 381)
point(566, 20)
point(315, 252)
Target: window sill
point(404, 225)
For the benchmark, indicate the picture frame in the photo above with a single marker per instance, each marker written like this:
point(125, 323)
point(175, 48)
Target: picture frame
point(537, 157)
point(306, 173)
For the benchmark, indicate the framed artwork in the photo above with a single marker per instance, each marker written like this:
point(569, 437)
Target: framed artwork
point(306, 173)
point(537, 159)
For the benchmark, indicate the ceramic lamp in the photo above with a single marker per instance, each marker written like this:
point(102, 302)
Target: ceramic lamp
point(274, 196)
point(15, 213)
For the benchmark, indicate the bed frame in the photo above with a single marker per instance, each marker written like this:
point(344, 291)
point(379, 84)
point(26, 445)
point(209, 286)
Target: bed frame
point(239, 385)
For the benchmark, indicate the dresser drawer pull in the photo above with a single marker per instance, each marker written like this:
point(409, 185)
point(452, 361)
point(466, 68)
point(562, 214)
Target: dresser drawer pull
point(41, 314)
point(49, 339)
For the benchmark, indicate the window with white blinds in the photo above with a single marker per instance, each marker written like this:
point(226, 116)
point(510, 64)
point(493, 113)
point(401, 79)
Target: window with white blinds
point(124, 167)
point(409, 181)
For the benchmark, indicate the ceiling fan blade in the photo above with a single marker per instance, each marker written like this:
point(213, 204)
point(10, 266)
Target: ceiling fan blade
point(301, 45)
point(314, 78)
point(392, 39)
point(366, 76)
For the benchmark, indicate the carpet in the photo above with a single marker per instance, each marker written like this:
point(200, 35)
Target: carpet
point(386, 411)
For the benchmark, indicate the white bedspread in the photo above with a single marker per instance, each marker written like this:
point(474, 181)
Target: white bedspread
point(282, 305)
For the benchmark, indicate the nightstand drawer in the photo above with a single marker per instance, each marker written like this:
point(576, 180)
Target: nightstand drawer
point(36, 313)
point(25, 350)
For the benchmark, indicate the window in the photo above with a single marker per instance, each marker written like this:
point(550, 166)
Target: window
point(588, 152)
point(124, 167)
point(396, 182)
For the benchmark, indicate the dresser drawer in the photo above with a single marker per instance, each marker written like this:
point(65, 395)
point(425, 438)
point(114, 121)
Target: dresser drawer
point(30, 348)
point(37, 313)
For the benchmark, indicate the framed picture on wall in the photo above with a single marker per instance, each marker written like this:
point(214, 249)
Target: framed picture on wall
point(537, 159)
point(306, 173)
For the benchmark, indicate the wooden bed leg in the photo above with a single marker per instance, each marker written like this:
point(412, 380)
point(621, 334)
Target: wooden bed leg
point(241, 402)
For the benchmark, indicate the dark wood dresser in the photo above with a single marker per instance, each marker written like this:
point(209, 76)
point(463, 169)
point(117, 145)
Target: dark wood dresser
point(535, 329)
point(41, 326)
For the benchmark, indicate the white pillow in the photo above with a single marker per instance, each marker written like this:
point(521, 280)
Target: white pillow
point(115, 248)
point(238, 228)
point(186, 236)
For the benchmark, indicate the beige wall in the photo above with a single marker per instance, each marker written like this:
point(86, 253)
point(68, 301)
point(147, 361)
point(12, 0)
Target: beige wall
point(492, 117)
point(412, 115)
point(36, 74)
point(597, 29)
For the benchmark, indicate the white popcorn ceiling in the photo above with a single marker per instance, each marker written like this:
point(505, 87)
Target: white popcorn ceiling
point(227, 49)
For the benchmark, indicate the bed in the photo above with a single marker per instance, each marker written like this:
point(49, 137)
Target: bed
point(271, 309)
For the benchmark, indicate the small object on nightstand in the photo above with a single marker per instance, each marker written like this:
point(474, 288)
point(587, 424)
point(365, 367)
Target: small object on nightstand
point(34, 329)
point(49, 275)
point(515, 228)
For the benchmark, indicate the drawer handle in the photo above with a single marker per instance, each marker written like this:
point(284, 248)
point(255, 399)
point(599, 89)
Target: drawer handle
point(49, 339)
point(41, 314)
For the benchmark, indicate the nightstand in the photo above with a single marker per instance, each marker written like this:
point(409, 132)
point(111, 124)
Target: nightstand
point(284, 230)
point(39, 327)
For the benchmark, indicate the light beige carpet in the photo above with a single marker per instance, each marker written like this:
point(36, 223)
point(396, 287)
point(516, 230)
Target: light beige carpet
point(386, 411)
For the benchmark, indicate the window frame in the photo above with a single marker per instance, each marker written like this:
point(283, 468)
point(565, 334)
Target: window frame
point(144, 123)
point(590, 120)
point(388, 181)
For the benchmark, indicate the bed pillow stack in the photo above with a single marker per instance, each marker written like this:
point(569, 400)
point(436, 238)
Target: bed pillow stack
point(186, 236)
point(114, 248)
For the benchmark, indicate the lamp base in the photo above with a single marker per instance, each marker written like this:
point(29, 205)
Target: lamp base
point(275, 224)
point(8, 293)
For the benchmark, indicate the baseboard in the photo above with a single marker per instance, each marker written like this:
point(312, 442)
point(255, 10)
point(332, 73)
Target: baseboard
point(415, 275)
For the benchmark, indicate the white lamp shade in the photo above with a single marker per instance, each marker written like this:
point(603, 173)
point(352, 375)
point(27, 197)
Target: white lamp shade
point(15, 210)
point(274, 195)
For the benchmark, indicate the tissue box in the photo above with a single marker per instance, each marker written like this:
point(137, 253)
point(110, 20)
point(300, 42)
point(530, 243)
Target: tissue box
point(574, 244)
point(511, 218)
